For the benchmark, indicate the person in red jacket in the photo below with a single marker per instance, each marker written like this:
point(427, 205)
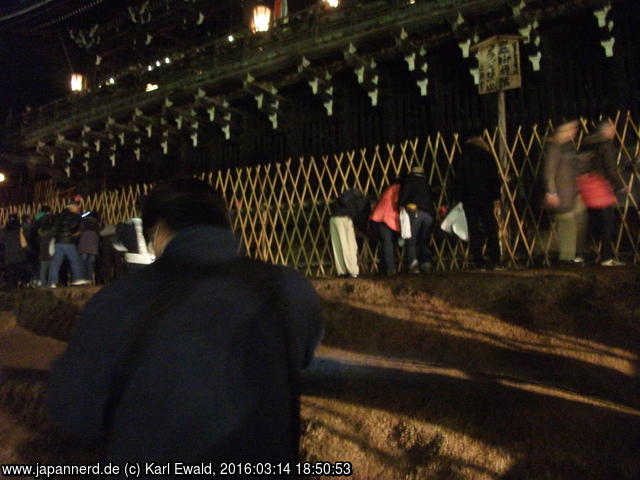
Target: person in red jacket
point(385, 218)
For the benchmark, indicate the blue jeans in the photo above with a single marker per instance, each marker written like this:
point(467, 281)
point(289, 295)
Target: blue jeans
point(45, 268)
point(89, 261)
point(417, 247)
point(387, 238)
point(70, 252)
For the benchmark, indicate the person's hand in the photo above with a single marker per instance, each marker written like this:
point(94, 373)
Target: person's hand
point(552, 200)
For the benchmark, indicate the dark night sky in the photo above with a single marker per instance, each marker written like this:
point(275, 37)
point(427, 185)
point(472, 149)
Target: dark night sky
point(34, 71)
point(33, 66)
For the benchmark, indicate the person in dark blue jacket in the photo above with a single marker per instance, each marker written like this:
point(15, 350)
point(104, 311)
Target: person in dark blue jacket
point(477, 186)
point(195, 358)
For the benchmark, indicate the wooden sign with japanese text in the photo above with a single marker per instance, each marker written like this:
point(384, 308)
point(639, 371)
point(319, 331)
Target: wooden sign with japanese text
point(499, 64)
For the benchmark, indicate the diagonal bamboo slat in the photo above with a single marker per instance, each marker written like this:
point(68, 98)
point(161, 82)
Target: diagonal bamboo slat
point(280, 212)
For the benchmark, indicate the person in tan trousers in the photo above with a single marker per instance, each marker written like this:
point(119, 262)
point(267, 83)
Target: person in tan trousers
point(561, 167)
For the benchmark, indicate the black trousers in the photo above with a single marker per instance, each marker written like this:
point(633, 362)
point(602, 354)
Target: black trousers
point(482, 228)
point(603, 225)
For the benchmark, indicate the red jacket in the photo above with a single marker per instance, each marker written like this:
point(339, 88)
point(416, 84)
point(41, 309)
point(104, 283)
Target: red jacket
point(386, 210)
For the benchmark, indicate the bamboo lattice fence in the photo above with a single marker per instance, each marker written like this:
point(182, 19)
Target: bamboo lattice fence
point(281, 211)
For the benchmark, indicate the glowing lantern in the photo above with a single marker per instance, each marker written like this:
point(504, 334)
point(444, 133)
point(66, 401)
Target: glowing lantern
point(78, 82)
point(332, 3)
point(261, 19)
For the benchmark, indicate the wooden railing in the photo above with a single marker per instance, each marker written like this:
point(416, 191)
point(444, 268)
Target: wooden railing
point(281, 211)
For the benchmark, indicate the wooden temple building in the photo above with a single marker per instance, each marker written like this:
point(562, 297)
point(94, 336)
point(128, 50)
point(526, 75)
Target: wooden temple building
point(167, 87)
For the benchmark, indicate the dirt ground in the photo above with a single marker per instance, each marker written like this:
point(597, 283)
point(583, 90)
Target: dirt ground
point(510, 375)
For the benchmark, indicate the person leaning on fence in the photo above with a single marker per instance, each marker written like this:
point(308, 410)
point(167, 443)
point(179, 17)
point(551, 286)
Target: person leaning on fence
point(195, 358)
point(477, 186)
point(385, 219)
point(598, 185)
point(67, 232)
point(415, 197)
point(350, 212)
point(561, 168)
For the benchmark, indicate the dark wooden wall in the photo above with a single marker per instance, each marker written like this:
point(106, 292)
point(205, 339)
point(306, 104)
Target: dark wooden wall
point(576, 80)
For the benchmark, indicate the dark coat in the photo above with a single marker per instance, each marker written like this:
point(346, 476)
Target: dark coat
point(13, 252)
point(67, 227)
point(477, 177)
point(561, 167)
point(415, 189)
point(352, 204)
point(89, 236)
point(601, 159)
point(211, 381)
point(45, 231)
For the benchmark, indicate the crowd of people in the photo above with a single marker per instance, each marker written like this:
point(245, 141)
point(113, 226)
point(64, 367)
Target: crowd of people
point(63, 249)
point(581, 188)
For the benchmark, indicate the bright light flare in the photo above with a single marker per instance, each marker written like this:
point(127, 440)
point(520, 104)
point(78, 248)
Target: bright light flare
point(78, 82)
point(261, 19)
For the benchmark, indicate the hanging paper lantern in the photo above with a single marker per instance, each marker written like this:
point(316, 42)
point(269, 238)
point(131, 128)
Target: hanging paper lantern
point(261, 19)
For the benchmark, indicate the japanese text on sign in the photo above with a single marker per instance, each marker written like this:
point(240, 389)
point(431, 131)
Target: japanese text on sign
point(499, 65)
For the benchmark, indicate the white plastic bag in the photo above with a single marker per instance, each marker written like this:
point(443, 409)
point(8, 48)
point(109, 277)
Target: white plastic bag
point(456, 222)
point(52, 247)
point(405, 224)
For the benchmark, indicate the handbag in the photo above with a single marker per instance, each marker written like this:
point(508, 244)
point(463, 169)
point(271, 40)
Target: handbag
point(456, 222)
point(405, 224)
point(596, 192)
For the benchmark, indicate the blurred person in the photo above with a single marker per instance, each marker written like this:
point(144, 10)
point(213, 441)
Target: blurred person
point(131, 242)
point(44, 230)
point(415, 197)
point(112, 264)
point(31, 255)
point(350, 212)
point(561, 168)
point(196, 357)
point(67, 232)
point(477, 186)
point(385, 218)
point(89, 242)
point(598, 184)
point(14, 254)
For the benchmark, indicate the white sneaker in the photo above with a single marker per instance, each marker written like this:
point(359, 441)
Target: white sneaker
point(80, 282)
point(612, 263)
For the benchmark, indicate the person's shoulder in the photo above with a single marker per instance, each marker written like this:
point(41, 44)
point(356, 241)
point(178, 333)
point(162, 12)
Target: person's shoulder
point(130, 287)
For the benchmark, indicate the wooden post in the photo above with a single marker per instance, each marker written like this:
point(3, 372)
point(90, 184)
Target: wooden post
point(499, 70)
point(504, 237)
point(502, 127)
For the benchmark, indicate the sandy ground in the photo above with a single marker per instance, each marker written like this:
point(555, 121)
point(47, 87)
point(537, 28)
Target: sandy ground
point(514, 375)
